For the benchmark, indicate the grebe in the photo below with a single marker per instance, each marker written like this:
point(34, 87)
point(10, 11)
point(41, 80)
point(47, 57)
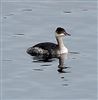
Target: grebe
point(50, 50)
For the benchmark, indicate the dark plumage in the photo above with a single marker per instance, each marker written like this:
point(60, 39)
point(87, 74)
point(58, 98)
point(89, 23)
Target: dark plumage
point(46, 50)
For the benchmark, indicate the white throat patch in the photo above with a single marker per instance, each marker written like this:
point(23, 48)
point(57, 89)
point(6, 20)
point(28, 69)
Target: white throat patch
point(62, 34)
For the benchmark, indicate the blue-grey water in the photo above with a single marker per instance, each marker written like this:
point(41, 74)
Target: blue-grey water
point(27, 23)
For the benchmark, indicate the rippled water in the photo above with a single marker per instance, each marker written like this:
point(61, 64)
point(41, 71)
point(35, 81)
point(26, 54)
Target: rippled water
point(27, 23)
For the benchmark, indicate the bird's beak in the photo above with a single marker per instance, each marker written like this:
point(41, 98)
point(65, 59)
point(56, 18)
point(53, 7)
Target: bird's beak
point(65, 33)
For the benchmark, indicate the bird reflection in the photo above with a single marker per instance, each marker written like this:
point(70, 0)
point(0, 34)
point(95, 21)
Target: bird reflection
point(61, 66)
point(61, 63)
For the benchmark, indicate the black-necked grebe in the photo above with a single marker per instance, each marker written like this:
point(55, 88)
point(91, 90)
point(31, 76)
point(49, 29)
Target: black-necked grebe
point(50, 50)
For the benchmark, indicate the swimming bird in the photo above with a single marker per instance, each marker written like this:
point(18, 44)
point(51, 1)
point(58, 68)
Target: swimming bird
point(48, 50)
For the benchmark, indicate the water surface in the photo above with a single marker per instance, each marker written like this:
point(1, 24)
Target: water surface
point(27, 23)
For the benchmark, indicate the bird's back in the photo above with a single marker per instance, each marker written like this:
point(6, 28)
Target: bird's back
point(46, 49)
